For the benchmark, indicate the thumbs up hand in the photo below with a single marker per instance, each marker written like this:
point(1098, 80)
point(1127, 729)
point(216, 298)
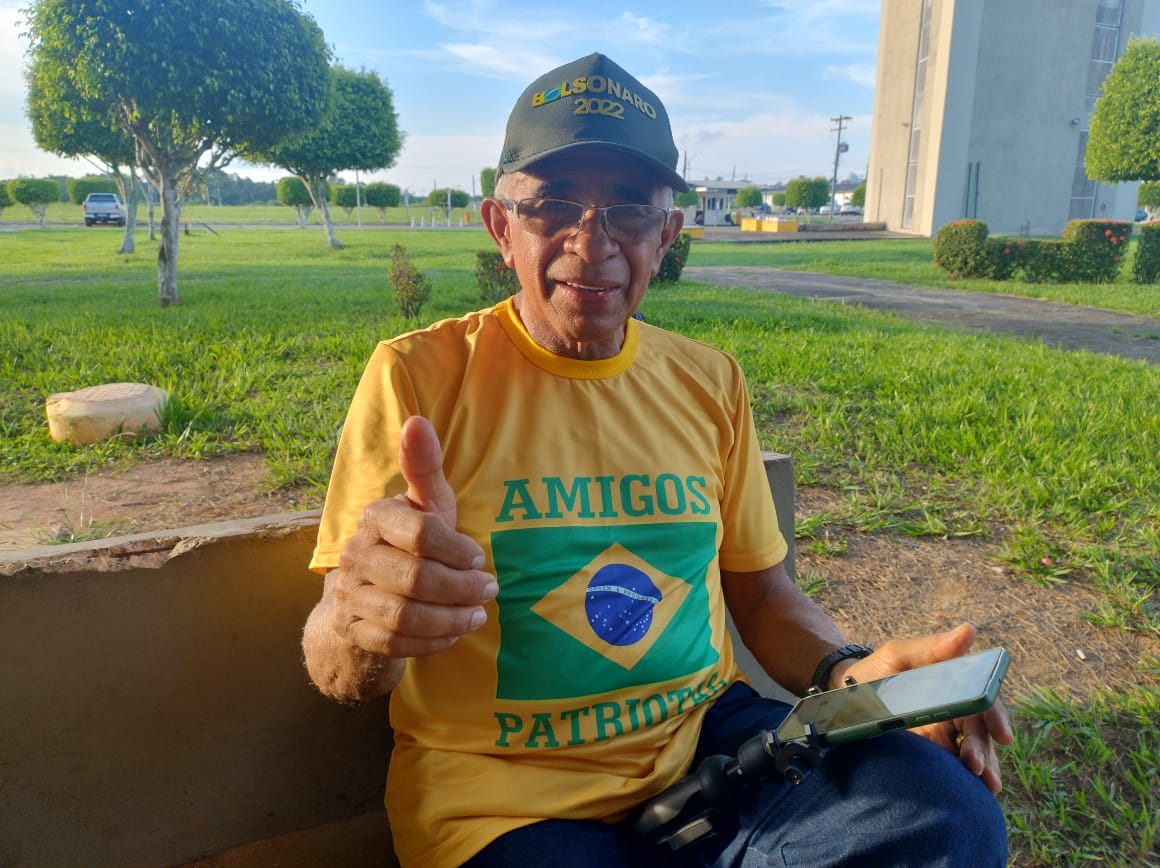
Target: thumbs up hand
point(408, 583)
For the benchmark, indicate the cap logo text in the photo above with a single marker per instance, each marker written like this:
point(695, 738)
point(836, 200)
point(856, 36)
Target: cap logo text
point(594, 84)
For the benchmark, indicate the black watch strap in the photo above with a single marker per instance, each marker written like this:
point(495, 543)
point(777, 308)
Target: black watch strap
point(846, 652)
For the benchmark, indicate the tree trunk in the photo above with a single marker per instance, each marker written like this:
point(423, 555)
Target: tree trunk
point(170, 232)
point(147, 189)
point(317, 187)
point(128, 190)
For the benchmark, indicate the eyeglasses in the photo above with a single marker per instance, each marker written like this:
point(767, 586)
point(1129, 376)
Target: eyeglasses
point(550, 217)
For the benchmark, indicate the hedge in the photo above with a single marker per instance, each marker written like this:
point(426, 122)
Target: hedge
point(1146, 268)
point(1091, 251)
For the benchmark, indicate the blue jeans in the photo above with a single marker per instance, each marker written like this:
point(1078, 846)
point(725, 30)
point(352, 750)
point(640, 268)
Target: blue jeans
point(894, 800)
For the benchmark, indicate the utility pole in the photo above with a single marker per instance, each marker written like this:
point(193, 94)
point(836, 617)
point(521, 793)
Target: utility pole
point(840, 120)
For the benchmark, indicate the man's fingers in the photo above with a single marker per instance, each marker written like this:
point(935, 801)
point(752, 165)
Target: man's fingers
point(421, 463)
point(899, 655)
point(373, 636)
point(412, 618)
point(977, 752)
point(378, 619)
point(398, 573)
point(396, 522)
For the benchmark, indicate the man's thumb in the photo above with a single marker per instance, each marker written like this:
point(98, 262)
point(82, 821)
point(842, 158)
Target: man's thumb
point(421, 463)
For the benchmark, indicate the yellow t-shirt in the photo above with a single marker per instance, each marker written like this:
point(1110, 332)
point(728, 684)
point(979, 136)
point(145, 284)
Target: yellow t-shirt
point(607, 495)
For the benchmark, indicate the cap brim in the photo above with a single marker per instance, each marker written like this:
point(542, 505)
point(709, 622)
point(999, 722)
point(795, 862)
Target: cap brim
point(666, 174)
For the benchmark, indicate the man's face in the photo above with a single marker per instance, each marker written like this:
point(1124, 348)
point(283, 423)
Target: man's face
point(580, 286)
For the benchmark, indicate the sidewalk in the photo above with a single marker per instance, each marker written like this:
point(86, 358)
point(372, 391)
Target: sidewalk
point(1057, 324)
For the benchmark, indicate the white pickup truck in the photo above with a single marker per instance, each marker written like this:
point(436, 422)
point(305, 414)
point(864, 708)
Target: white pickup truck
point(104, 208)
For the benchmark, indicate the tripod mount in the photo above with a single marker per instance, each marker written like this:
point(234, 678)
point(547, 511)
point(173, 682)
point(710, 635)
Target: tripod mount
point(694, 807)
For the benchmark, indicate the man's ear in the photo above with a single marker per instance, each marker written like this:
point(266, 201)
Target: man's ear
point(668, 236)
point(499, 222)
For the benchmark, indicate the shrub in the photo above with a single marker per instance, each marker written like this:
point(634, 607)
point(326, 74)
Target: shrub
point(960, 249)
point(1094, 249)
point(411, 286)
point(1043, 260)
point(496, 281)
point(1146, 267)
point(1002, 257)
point(674, 262)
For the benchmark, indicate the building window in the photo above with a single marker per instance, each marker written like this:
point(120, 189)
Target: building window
point(916, 116)
point(1105, 48)
point(1109, 12)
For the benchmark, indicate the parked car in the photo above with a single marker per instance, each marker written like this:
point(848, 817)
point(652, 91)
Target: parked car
point(848, 209)
point(1141, 215)
point(104, 208)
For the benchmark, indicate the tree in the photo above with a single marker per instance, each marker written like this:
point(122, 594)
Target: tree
point(292, 192)
point(487, 181)
point(188, 81)
point(438, 198)
point(858, 197)
point(79, 188)
point(36, 193)
point(749, 197)
point(345, 196)
point(359, 130)
point(1124, 136)
point(83, 129)
point(779, 199)
point(687, 199)
point(383, 196)
point(808, 193)
point(5, 199)
point(1149, 198)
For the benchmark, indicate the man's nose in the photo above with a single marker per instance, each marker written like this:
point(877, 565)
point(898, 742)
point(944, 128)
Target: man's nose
point(591, 238)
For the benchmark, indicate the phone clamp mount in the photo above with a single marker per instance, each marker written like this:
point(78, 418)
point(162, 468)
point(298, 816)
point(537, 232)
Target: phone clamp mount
point(696, 806)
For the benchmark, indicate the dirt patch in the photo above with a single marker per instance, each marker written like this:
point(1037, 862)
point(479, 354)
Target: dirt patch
point(883, 586)
point(146, 496)
point(886, 586)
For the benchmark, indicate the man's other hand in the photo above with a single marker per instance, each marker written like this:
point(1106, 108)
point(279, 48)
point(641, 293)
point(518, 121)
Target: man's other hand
point(971, 738)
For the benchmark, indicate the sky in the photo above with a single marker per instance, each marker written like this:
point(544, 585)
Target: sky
point(751, 86)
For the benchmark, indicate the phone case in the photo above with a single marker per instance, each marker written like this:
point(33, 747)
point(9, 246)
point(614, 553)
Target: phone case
point(942, 691)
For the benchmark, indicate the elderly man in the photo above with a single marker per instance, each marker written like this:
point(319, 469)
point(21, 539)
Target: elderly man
point(537, 516)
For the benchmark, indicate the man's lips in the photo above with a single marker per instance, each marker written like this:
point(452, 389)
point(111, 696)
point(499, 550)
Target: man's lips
point(588, 286)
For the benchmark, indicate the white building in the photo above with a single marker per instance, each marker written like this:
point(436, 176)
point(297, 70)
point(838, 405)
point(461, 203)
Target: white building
point(981, 110)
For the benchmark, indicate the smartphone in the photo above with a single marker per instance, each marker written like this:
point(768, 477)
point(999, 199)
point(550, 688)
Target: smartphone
point(941, 691)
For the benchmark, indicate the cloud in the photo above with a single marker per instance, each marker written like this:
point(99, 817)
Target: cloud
point(862, 74)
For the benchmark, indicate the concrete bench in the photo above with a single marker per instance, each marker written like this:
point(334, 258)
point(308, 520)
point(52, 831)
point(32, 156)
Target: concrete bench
point(156, 712)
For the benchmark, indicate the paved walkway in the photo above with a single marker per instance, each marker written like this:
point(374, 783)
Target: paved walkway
point(1068, 326)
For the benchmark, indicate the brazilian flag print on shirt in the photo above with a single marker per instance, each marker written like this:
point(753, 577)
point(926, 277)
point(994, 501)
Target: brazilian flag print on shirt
point(589, 610)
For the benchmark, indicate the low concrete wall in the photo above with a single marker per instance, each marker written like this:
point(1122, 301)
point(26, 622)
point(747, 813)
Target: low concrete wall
point(840, 226)
point(156, 712)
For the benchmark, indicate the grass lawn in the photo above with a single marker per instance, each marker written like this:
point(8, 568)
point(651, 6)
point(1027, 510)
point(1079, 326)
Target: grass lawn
point(943, 432)
point(908, 260)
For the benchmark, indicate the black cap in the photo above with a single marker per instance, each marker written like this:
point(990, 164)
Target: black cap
point(590, 101)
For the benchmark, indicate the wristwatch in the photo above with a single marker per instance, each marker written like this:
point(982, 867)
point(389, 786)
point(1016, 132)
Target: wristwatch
point(846, 652)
